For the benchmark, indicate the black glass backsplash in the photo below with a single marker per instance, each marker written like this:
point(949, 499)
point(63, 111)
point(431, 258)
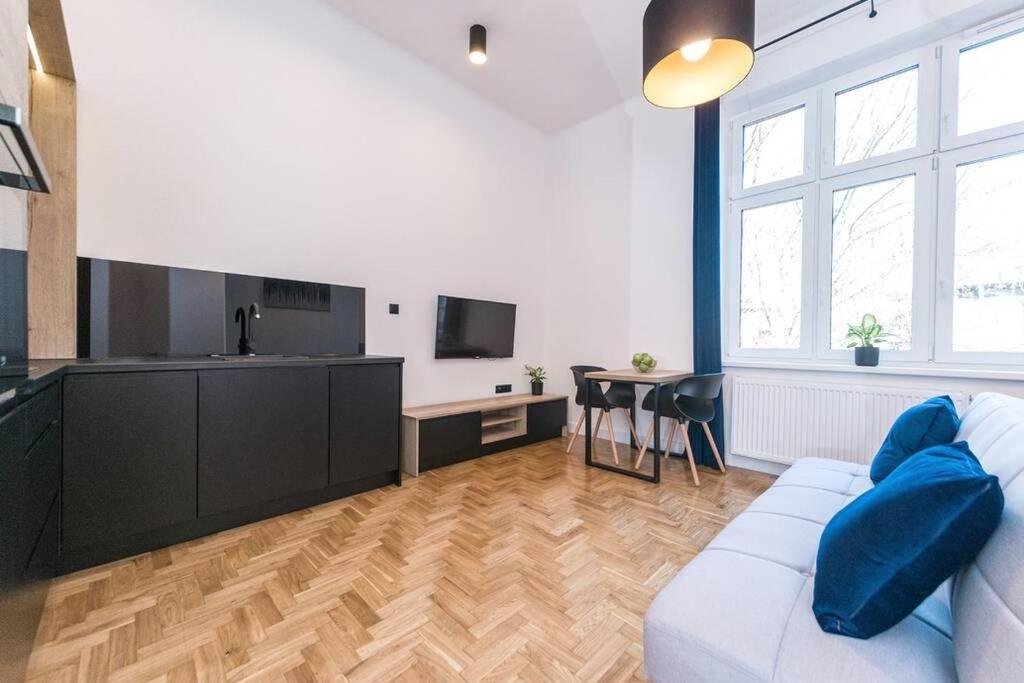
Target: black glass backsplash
point(133, 309)
point(13, 311)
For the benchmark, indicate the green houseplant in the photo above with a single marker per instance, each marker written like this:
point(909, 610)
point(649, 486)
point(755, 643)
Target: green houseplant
point(862, 339)
point(537, 376)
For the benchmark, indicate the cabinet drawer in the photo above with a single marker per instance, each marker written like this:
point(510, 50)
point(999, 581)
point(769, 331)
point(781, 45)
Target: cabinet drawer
point(448, 440)
point(23, 427)
point(545, 420)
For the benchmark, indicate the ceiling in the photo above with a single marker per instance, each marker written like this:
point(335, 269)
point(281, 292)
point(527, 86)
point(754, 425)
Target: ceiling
point(552, 63)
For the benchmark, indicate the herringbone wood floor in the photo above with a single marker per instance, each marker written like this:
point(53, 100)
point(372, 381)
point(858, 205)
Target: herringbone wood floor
point(524, 565)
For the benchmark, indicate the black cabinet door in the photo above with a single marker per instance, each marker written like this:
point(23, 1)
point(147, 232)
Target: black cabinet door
point(129, 454)
point(545, 420)
point(448, 440)
point(366, 407)
point(262, 435)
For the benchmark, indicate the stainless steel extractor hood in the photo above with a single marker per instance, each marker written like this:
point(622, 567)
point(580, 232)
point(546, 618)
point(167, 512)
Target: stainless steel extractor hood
point(21, 166)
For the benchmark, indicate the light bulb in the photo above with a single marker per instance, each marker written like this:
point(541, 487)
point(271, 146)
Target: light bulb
point(694, 52)
point(478, 57)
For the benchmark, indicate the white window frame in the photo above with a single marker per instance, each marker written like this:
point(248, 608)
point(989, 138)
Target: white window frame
point(809, 101)
point(808, 193)
point(950, 50)
point(921, 296)
point(945, 250)
point(927, 116)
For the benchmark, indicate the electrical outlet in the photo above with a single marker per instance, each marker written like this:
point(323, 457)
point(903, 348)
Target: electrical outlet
point(503, 389)
point(393, 309)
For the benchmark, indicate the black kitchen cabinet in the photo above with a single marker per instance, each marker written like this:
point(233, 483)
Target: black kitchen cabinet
point(129, 454)
point(366, 403)
point(262, 435)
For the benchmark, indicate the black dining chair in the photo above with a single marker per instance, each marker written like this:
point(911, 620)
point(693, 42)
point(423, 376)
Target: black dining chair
point(691, 400)
point(620, 396)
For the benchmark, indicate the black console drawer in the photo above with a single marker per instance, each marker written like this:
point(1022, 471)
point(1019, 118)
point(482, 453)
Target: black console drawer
point(448, 440)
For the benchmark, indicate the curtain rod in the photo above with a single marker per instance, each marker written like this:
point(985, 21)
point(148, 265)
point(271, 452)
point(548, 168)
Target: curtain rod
point(874, 13)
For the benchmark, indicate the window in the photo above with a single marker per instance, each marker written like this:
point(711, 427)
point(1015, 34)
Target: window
point(873, 258)
point(988, 256)
point(771, 254)
point(985, 98)
point(876, 118)
point(773, 149)
point(851, 198)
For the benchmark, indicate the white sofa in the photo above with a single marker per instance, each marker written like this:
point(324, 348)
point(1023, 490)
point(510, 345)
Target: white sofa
point(741, 610)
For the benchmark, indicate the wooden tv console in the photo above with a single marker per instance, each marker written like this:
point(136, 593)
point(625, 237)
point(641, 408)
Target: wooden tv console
point(447, 433)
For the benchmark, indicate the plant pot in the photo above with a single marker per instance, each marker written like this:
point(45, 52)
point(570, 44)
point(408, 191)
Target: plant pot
point(537, 388)
point(866, 356)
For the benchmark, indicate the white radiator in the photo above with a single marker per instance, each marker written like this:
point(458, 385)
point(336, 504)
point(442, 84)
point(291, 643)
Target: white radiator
point(783, 421)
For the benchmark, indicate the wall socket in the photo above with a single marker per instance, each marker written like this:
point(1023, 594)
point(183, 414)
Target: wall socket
point(503, 389)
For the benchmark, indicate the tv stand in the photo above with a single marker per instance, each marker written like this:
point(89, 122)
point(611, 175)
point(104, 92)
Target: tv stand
point(448, 433)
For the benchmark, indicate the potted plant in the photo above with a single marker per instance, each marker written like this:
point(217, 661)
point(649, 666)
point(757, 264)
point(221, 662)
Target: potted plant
point(537, 376)
point(862, 339)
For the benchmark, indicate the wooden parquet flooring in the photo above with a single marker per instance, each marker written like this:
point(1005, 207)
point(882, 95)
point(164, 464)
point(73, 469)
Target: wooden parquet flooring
point(520, 566)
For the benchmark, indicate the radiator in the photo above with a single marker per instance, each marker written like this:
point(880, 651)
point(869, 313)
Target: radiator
point(782, 421)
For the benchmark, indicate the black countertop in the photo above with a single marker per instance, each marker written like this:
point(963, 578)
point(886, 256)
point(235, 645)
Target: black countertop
point(43, 373)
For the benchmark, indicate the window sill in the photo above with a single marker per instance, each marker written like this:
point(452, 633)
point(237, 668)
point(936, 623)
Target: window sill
point(925, 370)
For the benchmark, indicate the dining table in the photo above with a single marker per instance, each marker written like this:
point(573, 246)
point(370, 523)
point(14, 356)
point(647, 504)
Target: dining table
point(660, 380)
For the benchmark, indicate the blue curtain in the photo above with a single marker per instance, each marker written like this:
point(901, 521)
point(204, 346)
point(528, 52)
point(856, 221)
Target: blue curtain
point(707, 254)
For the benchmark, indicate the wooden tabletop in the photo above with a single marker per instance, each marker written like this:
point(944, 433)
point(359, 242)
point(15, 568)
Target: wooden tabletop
point(635, 376)
point(478, 405)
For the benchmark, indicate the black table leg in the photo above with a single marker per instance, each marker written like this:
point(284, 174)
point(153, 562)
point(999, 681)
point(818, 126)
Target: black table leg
point(657, 433)
point(588, 448)
point(632, 419)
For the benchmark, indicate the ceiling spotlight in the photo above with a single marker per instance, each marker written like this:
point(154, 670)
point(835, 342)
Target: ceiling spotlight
point(696, 50)
point(478, 44)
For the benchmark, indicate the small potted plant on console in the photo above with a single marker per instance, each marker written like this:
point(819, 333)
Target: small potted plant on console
point(537, 376)
point(862, 339)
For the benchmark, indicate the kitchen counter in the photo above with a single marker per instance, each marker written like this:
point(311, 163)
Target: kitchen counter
point(43, 373)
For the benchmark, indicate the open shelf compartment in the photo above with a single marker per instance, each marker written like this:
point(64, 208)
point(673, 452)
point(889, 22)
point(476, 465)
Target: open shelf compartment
point(501, 424)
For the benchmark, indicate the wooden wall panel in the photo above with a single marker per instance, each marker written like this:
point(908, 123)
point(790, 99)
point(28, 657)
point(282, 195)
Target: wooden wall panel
point(53, 230)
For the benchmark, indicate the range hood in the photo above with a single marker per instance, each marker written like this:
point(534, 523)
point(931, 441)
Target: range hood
point(21, 166)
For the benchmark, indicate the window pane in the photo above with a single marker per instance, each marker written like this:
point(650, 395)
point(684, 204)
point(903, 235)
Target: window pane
point(873, 258)
point(773, 149)
point(988, 307)
point(770, 276)
point(876, 118)
point(988, 98)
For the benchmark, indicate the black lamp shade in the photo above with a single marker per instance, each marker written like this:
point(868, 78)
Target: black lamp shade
point(719, 35)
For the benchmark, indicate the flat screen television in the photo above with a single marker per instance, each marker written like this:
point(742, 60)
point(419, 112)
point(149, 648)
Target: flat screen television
point(469, 328)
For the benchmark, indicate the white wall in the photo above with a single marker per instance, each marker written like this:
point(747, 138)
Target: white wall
point(282, 139)
point(621, 247)
point(14, 92)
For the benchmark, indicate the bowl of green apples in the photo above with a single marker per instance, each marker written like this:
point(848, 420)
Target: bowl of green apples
point(643, 362)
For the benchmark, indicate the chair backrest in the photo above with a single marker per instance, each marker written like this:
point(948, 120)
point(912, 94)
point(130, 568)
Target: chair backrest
point(706, 387)
point(988, 593)
point(596, 395)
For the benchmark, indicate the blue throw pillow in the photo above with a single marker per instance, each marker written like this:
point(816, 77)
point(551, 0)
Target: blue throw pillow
point(889, 549)
point(932, 423)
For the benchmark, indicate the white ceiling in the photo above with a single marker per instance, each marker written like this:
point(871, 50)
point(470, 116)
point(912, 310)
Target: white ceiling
point(551, 63)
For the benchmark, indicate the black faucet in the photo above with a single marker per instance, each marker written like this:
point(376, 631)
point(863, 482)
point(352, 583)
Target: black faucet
point(247, 340)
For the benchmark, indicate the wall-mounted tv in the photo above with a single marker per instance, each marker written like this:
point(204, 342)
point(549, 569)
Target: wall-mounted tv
point(469, 328)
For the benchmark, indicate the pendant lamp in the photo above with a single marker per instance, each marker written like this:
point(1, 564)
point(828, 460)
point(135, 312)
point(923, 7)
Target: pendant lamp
point(696, 50)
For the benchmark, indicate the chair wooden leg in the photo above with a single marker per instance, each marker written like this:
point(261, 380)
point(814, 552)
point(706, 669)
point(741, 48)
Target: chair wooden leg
point(714, 446)
point(667, 446)
point(579, 425)
point(689, 452)
point(611, 437)
point(643, 446)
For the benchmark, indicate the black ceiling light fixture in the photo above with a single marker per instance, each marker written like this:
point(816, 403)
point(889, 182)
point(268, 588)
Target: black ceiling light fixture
point(477, 44)
point(696, 50)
